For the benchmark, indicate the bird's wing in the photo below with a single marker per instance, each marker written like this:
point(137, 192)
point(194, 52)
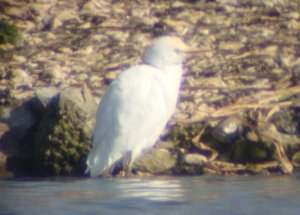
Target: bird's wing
point(131, 116)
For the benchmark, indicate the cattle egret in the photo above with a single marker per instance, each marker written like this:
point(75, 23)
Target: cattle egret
point(137, 105)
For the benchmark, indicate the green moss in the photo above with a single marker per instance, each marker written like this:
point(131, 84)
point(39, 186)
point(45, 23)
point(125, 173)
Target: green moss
point(61, 145)
point(8, 33)
point(183, 135)
point(188, 170)
point(252, 152)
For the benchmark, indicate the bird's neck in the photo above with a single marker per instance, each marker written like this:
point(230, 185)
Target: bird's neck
point(172, 82)
point(173, 73)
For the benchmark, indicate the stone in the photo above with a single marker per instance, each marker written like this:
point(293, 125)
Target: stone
point(27, 26)
point(63, 138)
point(19, 119)
point(96, 8)
point(43, 98)
point(66, 50)
point(19, 58)
point(231, 46)
point(57, 73)
point(21, 78)
point(269, 50)
point(110, 76)
point(155, 161)
point(82, 76)
point(228, 129)
point(294, 24)
point(194, 159)
point(293, 15)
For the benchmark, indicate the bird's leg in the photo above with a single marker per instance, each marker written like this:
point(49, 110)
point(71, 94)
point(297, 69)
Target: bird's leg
point(127, 164)
point(134, 155)
point(129, 159)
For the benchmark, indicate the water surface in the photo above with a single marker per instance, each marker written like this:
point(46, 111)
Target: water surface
point(159, 195)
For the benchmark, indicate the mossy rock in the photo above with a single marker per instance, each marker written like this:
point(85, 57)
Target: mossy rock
point(8, 33)
point(253, 152)
point(63, 139)
point(156, 161)
point(188, 170)
point(183, 135)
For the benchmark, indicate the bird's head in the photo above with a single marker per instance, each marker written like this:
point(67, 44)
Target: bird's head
point(166, 51)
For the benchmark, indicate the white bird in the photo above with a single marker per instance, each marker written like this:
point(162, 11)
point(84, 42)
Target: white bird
point(137, 106)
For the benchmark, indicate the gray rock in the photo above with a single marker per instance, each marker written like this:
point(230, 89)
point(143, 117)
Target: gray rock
point(19, 119)
point(63, 138)
point(50, 134)
point(83, 103)
point(17, 122)
point(43, 98)
point(156, 161)
point(81, 99)
point(228, 129)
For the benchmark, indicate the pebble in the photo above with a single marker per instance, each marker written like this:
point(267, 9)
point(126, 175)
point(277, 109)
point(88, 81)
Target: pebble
point(194, 159)
point(86, 51)
point(82, 76)
point(19, 58)
point(21, 78)
point(56, 72)
point(26, 25)
point(231, 46)
point(47, 36)
point(86, 25)
point(269, 50)
point(96, 8)
point(293, 15)
point(294, 24)
point(96, 78)
point(66, 50)
point(110, 76)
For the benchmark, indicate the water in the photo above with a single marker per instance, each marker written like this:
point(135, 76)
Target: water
point(162, 195)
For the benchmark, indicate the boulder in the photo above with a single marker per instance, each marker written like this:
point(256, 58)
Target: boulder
point(63, 137)
point(43, 98)
point(49, 134)
point(19, 119)
point(156, 161)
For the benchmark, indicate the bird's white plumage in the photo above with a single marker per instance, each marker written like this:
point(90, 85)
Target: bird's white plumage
point(137, 105)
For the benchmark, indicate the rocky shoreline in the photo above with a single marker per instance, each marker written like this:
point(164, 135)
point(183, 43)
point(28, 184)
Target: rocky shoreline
point(239, 104)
